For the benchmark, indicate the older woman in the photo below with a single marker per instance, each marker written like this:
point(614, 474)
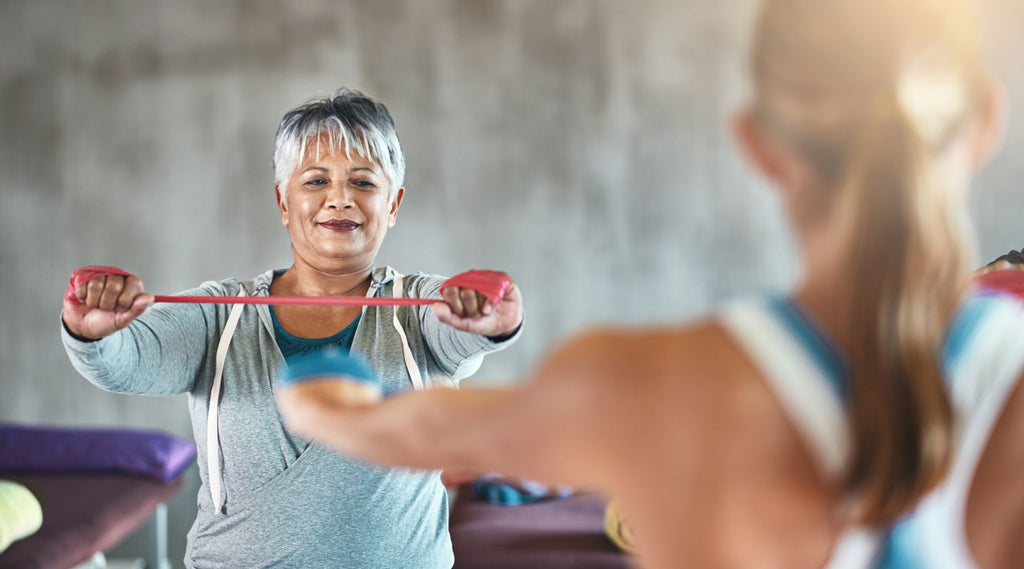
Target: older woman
point(269, 498)
point(791, 431)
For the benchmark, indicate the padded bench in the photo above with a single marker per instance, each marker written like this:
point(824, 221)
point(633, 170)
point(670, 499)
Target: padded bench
point(84, 514)
point(565, 533)
point(95, 487)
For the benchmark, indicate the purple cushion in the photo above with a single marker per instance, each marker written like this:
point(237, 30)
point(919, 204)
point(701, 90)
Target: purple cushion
point(153, 454)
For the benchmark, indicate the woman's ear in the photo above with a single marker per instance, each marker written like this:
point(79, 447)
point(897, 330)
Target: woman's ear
point(789, 172)
point(991, 127)
point(395, 204)
point(282, 205)
point(759, 151)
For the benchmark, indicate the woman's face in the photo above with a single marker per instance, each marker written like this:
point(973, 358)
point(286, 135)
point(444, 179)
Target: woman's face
point(337, 210)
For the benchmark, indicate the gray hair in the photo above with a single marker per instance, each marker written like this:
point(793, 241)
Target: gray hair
point(349, 119)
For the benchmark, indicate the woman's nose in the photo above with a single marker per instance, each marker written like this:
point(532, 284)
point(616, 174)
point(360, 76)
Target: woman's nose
point(338, 197)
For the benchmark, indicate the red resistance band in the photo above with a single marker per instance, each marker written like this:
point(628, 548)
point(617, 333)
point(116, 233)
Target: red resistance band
point(1010, 281)
point(492, 284)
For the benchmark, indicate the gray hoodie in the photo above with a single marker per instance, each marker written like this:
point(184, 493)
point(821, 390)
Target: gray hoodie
point(288, 503)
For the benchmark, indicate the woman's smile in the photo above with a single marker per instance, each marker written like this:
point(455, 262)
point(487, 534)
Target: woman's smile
point(340, 225)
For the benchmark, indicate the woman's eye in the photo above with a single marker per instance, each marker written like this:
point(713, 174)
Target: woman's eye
point(316, 182)
point(365, 184)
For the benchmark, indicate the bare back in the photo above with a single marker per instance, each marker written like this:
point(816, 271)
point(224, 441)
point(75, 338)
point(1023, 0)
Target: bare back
point(690, 439)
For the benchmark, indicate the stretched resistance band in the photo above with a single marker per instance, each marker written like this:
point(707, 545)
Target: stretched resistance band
point(492, 284)
point(298, 300)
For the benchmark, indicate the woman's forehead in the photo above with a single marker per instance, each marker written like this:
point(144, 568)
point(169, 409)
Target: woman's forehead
point(325, 149)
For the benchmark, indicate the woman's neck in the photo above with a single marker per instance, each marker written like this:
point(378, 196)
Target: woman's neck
point(303, 280)
point(828, 287)
point(829, 308)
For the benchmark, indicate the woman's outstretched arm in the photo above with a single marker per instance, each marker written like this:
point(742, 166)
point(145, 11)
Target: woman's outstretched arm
point(674, 424)
point(435, 429)
point(597, 406)
point(560, 426)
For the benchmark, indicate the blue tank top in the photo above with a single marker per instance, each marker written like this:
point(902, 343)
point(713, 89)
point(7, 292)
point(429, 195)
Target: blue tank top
point(292, 345)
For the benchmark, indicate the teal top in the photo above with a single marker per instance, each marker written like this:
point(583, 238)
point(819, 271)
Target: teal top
point(292, 345)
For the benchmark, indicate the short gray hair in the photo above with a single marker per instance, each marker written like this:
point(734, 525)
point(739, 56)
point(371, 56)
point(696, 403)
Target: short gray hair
point(349, 119)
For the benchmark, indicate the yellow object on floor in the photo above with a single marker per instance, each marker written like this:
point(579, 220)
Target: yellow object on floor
point(618, 529)
point(20, 513)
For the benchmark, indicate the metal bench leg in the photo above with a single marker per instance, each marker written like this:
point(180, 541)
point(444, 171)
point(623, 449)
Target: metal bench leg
point(156, 558)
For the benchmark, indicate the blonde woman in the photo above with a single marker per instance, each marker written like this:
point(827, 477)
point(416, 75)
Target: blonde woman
point(791, 432)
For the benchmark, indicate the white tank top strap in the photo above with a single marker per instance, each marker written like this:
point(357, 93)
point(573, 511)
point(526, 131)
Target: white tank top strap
point(214, 471)
point(811, 394)
point(410, 360)
point(804, 389)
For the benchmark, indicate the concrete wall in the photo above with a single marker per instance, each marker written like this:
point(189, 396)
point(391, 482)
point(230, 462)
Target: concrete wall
point(580, 145)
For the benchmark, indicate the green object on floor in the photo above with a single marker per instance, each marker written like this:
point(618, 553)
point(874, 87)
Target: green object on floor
point(20, 513)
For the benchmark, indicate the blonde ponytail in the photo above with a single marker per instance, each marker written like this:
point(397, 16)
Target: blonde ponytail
point(870, 92)
point(909, 263)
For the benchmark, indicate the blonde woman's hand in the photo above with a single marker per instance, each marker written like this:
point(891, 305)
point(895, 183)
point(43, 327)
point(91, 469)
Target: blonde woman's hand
point(1002, 265)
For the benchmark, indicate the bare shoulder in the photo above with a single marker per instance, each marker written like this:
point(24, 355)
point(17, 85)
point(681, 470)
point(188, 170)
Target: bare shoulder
point(696, 444)
point(678, 389)
point(616, 354)
point(670, 365)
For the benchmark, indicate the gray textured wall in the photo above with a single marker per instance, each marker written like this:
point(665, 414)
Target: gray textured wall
point(580, 145)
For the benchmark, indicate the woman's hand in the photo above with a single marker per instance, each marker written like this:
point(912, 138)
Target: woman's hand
point(103, 304)
point(468, 310)
point(1001, 265)
point(1002, 276)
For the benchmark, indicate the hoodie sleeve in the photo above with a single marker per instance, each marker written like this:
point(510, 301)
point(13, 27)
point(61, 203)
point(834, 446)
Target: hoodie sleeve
point(160, 353)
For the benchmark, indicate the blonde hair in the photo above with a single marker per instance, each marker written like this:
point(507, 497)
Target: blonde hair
point(869, 92)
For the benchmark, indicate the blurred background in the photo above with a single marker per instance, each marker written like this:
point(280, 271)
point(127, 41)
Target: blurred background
point(582, 146)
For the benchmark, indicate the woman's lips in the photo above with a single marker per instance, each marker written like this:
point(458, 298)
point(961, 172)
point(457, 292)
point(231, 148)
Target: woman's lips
point(340, 224)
